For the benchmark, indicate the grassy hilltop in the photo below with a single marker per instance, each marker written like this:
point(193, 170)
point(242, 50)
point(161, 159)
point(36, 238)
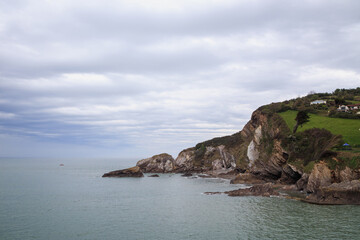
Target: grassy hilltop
point(326, 115)
point(348, 128)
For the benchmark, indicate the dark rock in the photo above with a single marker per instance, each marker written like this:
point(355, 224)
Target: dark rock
point(301, 184)
point(290, 174)
point(264, 190)
point(129, 172)
point(337, 194)
point(154, 175)
point(187, 174)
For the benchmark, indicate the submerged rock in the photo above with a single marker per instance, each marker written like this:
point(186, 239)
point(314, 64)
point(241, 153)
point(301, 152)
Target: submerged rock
point(128, 172)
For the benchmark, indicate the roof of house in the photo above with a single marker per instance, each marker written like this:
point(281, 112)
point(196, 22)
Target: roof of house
point(354, 105)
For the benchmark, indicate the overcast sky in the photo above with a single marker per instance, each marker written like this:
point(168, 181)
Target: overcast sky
point(135, 78)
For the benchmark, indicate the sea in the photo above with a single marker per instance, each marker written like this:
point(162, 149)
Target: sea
point(39, 199)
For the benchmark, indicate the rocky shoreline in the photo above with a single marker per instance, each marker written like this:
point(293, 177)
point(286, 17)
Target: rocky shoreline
point(266, 155)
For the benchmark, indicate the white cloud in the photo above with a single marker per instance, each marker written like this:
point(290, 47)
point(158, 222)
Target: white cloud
point(6, 115)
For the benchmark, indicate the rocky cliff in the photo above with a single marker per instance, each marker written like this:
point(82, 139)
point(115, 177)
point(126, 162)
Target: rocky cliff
point(265, 150)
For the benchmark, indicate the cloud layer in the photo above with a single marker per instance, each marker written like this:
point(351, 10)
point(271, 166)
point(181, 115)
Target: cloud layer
point(134, 78)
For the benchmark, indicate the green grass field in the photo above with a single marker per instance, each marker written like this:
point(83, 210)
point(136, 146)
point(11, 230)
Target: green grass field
point(348, 128)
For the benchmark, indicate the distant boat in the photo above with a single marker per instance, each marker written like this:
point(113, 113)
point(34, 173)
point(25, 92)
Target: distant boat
point(61, 165)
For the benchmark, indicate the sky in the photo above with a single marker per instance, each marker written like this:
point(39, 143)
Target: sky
point(136, 78)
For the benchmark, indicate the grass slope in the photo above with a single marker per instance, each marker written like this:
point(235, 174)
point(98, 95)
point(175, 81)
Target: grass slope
point(348, 128)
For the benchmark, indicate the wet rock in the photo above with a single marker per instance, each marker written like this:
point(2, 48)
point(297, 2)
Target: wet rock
point(264, 190)
point(154, 175)
point(129, 172)
point(212, 193)
point(187, 174)
point(337, 193)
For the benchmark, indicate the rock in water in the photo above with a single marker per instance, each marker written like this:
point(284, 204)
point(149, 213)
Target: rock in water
point(129, 172)
point(264, 190)
point(337, 193)
point(154, 175)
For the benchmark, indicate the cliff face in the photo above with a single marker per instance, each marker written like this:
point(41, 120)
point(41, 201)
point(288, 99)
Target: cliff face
point(162, 163)
point(257, 148)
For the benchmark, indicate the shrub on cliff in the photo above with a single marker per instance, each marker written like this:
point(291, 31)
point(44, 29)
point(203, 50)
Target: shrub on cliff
point(311, 144)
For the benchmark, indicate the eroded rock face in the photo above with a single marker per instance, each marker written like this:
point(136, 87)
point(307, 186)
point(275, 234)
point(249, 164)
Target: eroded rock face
point(337, 193)
point(290, 174)
point(320, 177)
point(128, 172)
point(185, 160)
point(252, 153)
point(301, 184)
point(162, 163)
point(347, 175)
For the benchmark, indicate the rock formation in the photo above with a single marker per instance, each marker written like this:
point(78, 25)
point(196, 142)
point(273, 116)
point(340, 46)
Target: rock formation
point(337, 193)
point(129, 172)
point(264, 190)
point(162, 163)
point(265, 151)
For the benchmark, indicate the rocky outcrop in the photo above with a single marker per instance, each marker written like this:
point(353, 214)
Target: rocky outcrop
point(185, 160)
point(319, 177)
point(162, 163)
point(348, 175)
point(264, 151)
point(264, 190)
point(129, 172)
point(337, 193)
point(301, 184)
point(290, 174)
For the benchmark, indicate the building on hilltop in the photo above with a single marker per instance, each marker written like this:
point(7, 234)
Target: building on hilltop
point(354, 106)
point(318, 102)
point(343, 108)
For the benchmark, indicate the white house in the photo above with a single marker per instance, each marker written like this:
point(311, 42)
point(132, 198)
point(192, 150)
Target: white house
point(354, 106)
point(343, 108)
point(318, 102)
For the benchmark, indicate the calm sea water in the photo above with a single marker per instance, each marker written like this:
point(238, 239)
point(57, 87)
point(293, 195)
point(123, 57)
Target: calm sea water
point(41, 200)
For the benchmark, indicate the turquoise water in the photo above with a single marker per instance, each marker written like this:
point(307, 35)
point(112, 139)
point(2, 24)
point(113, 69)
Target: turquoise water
point(41, 200)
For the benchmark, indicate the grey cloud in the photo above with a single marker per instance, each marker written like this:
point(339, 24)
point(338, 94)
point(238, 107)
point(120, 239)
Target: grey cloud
point(146, 80)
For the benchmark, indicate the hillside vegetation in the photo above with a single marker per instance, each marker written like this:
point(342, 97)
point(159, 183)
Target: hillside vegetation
point(348, 128)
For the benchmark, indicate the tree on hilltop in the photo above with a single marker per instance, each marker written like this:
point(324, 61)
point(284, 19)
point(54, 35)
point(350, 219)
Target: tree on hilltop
point(302, 117)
